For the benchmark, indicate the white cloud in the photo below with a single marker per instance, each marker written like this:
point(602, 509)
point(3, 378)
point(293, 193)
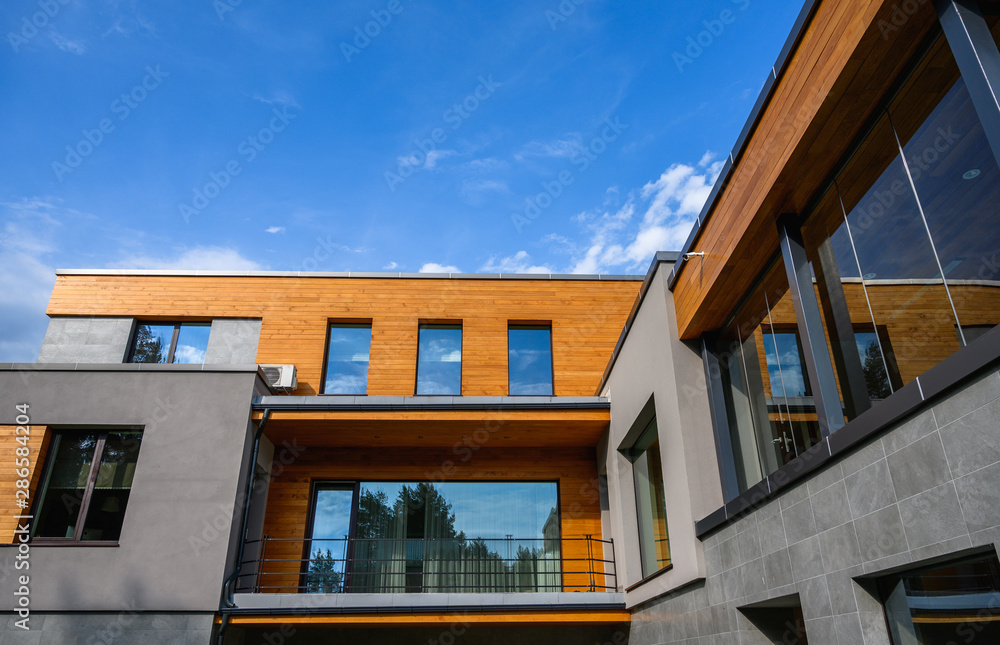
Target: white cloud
point(517, 263)
point(476, 191)
point(559, 148)
point(278, 97)
point(486, 164)
point(425, 161)
point(275, 229)
point(203, 258)
point(75, 47)
point(188, 354)
point(434, 267)
point(390, 266)
point(671, 203)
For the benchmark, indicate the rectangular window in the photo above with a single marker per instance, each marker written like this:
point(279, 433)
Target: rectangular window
point(169, 342)
point(650, 501)
point(945, 603)
point(409, 537)
point(348, 347)
point(439, 360)
point(529, 360)
point(86, 485)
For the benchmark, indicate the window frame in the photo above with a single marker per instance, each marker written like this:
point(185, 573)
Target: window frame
point(130, 353)
point(95, 466)
point(511, 324)
point(326, 353)
point(439, 324)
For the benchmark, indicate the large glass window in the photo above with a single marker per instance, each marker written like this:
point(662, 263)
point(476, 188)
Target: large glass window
point(86, 485)
point(650, 501)
point(958, 602)
point(348, 347)
point(529, 359)
point(439, 360)
point(169, 342)
point(435, 537)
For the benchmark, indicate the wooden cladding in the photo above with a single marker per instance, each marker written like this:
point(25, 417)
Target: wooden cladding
point(833, 82)
point(587, 317)
point(575, 470)
point(37, 446)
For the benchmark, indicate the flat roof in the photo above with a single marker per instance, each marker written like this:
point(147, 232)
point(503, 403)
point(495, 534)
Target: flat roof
point(352, 274)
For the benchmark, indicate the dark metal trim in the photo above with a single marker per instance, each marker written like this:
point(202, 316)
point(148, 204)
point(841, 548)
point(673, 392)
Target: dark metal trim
point(720, 419)
point(340, 403)
point(422, 609)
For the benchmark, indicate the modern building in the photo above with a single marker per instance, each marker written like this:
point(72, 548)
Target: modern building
point(787, 432)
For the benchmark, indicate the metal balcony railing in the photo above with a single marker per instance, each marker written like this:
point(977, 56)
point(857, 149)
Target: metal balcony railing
point(448, 565)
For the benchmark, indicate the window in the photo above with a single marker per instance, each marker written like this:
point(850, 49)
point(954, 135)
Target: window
point(439, 360)
point(410, 537)
point(348, 347)
point(529, 359)
point(169, 343)
point(945, 603)
point(650, 502)
point(86, 485)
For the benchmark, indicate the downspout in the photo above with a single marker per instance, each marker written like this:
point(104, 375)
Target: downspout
point(227, 588)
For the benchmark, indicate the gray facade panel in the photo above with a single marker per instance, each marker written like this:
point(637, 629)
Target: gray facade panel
point(928, 488)
point(85, 339)
point(125, 627)
point(178, 527)
point(233, 341)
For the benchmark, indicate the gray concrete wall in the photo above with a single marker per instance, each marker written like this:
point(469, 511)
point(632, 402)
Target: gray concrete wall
point(125, 627)
point(653, 362)
point(233, 341)
point(177, 531)
point(85, 339)
point(929, 487)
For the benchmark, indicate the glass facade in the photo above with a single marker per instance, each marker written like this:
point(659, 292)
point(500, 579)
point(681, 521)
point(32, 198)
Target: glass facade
point(169, 343)
point(347, 355)
point(529, 359)
point(903, 248)
point(409, 537)
point(79, 501)
point(957, 602)
point(650, 501)
point(439, 361)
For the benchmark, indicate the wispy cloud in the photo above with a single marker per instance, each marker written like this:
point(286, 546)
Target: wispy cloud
point(205, 258)
point(434, 267)
point(564, 148)
point(476, 191)
point(520, 262)
point(278, 97)
point(75, 47)
point(390, 267)
point(275, 229)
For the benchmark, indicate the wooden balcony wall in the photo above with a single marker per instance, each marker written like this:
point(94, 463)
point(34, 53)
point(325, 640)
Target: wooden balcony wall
point(587, 317)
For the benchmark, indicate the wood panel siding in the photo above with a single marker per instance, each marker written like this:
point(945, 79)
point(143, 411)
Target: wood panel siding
point(592, 617)
point(587, 317)
point(846, 62)
point(37, 449)
point(575, 470)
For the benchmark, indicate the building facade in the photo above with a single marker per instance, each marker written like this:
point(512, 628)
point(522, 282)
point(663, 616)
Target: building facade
point(787, 432)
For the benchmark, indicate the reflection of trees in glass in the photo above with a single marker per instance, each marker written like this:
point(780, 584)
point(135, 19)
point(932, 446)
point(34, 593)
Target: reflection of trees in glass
point(875, 377)
point(148, 346)
point(323, 575)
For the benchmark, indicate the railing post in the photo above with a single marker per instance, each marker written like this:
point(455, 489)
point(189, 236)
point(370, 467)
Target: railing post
point(260, 563)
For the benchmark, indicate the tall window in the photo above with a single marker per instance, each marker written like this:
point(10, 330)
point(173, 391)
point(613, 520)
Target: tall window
point(347, 352)
point(439, 360)
point(529, 359)
point(650, 502)
point(408, 537)
point(86, 485)
point(169, 342)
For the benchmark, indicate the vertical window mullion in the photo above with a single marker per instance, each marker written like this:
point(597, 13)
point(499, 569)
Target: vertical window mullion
point(88, 491)
point(173, 343)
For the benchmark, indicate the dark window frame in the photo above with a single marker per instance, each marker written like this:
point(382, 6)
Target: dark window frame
point(95, 466)
point(439, 324)
point(173, 338)
point(552, 358)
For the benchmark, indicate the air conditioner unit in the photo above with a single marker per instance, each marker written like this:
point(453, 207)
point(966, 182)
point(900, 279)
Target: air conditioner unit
point(281, 377)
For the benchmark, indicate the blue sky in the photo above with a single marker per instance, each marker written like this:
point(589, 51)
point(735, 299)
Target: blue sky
point(362, 135)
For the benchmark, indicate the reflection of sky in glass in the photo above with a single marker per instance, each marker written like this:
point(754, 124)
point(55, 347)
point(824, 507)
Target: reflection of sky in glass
point(784, 366)
point(332, 520)
point(166, 334)
point(439, 370)
point(192, 341)
point(347, 359)
point(529, 359)
point(489, 510)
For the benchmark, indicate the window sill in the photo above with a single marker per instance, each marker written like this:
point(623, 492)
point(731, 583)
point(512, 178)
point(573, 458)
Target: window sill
point(656, 574)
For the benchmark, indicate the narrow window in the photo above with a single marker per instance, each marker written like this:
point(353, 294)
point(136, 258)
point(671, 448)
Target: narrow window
point(86, 486)
point(650, 501)
point(439, 360)
point(169, 343)
point(348, 347)
point(529, 360)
